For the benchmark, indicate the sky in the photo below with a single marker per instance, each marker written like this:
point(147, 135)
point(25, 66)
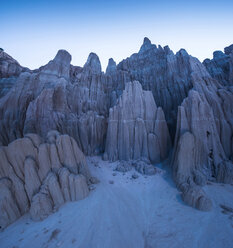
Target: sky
point(33, 31)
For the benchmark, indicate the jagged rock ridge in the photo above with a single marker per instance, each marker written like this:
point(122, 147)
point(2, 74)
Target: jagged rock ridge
point(76, 101)
point(204, 138)
point(9, 71)
point(221, 66)
point(166, 74)
point(51, 98)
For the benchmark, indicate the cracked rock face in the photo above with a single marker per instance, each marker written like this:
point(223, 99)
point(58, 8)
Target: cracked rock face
point(136, 127)
point(39, 177)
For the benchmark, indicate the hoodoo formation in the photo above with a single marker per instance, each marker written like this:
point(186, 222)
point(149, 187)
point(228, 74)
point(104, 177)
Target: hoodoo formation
point(152, 107)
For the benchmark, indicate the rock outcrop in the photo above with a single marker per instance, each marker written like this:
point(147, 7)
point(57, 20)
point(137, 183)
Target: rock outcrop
point(136, 127)
point(164, 73)
point(6, 84)
point(144, 168)
point(105, 113)
point(141, 166)
point(116, 81)
point(221, 66)
point(74, 101)
point(59, 66)
point(10, 69)
point(28, 86)
point(56, 190)
point(9, 211)
point(73, 96)
point(203, 146)
point(40, 176)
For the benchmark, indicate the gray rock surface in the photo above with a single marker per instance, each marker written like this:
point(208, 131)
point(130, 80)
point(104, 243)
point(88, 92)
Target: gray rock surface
point(228, 50)
point(40, 176)
point(107, 113)
point(58, 96)
point(166, 74)
point(9, 211)
point(207, 114)
point(124, 166)
point(196, 197)
point(68, 97)
point(59, 66)
point(140, 166)
point(144, 168)
point(111, 68)
point(93, 64)
point(136, 127)
point(10, 69)
point(203, 144)
point(221, 66)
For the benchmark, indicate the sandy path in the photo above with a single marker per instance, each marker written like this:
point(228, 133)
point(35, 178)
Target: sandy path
point(143, 212)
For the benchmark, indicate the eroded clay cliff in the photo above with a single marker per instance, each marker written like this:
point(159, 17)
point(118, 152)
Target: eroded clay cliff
point(221, 66)
point(40, 176)
point(204, 138)
point(111, 114)
point(136, 127)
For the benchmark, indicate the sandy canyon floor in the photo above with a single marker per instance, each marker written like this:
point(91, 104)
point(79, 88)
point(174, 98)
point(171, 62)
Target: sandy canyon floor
point(129, 213)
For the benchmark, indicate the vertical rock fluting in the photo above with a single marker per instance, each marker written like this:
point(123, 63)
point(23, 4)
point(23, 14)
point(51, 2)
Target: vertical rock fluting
point(204, 137)
point(40, 177)
point(74, 101)
point(164, 73)
point(65, 97)
point(79, 108)
point(28, 87)
point(116, 81)
point(136, 127)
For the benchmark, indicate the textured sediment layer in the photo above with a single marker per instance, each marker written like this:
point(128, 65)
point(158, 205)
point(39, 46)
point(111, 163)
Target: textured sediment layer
point(111, 114)
point(204, 138)
point(40, 176)
point(136, 127)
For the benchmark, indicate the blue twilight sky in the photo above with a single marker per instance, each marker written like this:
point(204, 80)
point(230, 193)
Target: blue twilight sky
point(33, 31)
